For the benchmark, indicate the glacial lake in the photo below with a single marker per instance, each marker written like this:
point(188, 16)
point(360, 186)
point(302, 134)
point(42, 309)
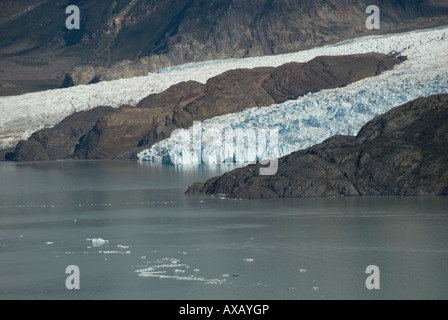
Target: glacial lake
point(163, 244)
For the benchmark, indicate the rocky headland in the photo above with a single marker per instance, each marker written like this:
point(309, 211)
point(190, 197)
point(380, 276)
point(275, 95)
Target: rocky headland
point(401, 153)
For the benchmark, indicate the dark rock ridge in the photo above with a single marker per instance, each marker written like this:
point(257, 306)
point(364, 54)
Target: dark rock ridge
point(122, 133)
point(126, 38)
point(401, 153)
point(4, 152)
point(58, 142)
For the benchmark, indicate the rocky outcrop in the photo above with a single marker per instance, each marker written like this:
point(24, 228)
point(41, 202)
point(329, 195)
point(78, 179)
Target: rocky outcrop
point(122, 133)
point(58, 142)
point(400, 153)
point(126, 38)
point(5, 152)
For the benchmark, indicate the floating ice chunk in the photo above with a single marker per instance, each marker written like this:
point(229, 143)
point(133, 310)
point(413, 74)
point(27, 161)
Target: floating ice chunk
point(122, 247)
point(163, 267)
point(303, 270)
point(99, 242)
point(49, 243)
point(249, 260)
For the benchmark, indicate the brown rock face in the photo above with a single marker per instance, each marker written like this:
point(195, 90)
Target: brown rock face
point(29, 150)
point(290, 81)
point(401, 153)
point(155, 117)
point(6, 153)
point(60, 141)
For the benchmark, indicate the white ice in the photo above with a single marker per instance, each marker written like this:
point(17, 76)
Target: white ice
point(99, 242)
point(169, 268)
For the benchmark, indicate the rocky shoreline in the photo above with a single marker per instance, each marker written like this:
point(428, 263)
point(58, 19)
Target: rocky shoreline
point(401, 153)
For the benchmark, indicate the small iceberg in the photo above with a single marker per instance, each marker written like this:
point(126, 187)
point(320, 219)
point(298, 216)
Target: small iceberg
point(99, 242)
point(115, 252)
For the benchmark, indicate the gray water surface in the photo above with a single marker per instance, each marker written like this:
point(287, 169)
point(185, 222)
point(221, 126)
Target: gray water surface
point(163, 244)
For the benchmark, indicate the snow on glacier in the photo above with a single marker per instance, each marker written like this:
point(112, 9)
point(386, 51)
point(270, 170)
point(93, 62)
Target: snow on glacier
point(343, 111)
point(22, 115)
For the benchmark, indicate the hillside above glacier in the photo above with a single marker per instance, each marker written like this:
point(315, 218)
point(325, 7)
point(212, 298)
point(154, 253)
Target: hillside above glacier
point(126, 38)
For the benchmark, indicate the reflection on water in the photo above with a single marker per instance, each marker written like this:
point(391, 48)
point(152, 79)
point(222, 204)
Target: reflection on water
point(162, 244)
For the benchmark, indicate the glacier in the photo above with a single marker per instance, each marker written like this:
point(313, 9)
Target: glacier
point(301, 123)
point(315, 117)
